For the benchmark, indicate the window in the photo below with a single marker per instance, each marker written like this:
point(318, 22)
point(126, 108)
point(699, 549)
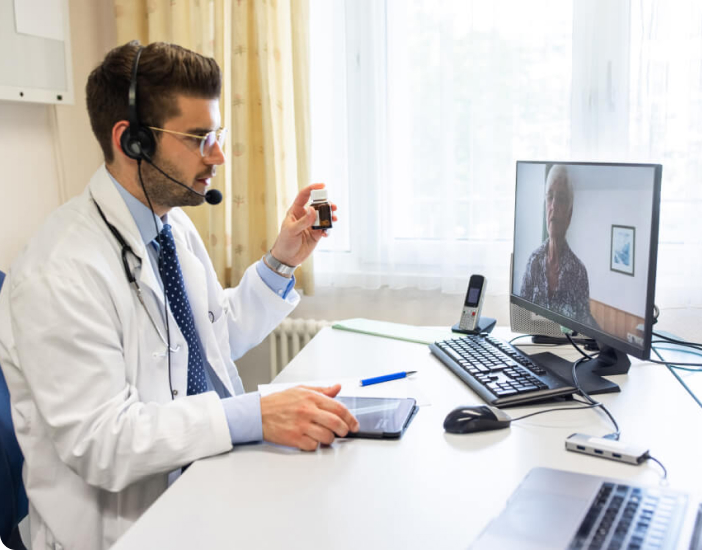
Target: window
point(420, 110)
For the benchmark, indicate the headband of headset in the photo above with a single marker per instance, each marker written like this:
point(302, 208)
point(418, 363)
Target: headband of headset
point(137, 141)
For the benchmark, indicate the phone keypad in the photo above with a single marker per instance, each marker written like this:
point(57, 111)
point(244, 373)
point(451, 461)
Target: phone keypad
point(468, 318)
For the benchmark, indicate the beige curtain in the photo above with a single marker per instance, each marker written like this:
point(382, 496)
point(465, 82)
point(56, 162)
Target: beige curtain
point(262, 48)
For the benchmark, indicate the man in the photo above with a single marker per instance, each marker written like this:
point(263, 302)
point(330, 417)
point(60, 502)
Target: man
point(110, 397)
point(555, 278)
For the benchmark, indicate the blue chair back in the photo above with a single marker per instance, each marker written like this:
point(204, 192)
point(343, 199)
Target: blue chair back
point(13, 499)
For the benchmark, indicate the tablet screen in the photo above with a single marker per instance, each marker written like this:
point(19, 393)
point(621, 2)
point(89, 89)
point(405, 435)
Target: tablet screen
point(380, 417)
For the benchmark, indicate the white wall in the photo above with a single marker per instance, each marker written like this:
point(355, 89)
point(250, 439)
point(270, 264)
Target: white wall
point(605, 197)
point(47, 153)
point(29, 187)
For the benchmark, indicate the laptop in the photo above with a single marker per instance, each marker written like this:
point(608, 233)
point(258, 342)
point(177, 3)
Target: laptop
point(555, 509)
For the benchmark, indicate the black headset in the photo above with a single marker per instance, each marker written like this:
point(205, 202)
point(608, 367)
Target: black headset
point(137, 141)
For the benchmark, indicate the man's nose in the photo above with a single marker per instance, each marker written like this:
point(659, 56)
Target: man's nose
point(216, 156)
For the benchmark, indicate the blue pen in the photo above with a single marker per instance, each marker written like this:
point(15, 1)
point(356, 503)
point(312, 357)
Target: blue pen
point(386, 378)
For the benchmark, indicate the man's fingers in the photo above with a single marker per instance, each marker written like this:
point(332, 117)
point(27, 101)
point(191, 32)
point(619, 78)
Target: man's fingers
point(306, 443)
point(332, 422)
point(329, 391)
point(303, 196)
point(320, 433)
point(304, 222)
point(339, 410)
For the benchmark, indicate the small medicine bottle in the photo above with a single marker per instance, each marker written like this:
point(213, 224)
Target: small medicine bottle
point(323, 208)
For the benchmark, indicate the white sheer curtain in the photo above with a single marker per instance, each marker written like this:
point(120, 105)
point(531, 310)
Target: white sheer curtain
point(421, 108)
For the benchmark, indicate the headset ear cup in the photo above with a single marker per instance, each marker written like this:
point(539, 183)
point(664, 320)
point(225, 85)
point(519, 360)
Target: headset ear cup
point(147, 142)
point(138, 146)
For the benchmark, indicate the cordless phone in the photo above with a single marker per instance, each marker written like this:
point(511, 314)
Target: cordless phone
point(473, 303)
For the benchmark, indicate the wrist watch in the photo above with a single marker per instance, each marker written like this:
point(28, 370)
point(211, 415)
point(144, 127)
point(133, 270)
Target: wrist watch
point(279, 267)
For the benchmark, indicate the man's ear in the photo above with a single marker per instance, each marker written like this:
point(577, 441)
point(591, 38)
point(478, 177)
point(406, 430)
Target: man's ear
point(116, 139)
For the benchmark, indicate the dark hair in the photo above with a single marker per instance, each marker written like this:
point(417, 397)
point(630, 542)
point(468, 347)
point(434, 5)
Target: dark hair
point(165, 71)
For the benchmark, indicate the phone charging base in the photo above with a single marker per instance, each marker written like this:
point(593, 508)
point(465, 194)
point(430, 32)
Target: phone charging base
point(485, 324)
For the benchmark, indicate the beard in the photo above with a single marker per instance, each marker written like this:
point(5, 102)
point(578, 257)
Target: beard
point(166, 193)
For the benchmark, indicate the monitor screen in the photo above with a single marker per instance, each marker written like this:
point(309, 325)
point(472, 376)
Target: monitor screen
point(585, 248)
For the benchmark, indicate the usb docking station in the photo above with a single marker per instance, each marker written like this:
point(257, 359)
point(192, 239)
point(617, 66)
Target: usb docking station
point(606, 448)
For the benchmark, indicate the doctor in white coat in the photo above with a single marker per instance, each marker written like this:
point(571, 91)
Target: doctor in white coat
point(100, 403)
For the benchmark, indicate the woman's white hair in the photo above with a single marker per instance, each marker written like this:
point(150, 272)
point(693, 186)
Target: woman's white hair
point(559, 172)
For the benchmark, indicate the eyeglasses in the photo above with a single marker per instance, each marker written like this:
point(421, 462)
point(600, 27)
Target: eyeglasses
point(207, 141)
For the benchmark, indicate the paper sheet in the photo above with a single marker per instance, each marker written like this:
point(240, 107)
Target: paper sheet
point(42, 18)
point(405, 387)
point(398, 331)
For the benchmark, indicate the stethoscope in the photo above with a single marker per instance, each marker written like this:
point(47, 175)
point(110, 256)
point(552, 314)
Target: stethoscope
point(126, 249)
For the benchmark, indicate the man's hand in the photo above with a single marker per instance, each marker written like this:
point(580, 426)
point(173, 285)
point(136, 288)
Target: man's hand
point(297, 240)
point(304, 417)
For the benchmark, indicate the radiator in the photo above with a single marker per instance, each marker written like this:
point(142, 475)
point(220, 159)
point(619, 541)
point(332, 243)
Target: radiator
point(289, 338)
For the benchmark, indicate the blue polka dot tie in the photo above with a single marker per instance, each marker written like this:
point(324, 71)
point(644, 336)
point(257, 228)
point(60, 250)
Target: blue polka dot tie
point(172, 278)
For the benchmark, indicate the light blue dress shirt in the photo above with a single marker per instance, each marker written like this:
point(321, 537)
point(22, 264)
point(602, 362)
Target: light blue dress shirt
point(243, 411)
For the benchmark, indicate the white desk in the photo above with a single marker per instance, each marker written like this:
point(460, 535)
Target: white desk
point(427, 490)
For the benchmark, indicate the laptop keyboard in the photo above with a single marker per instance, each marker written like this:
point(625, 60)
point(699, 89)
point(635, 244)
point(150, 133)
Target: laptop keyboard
point(626, 517)
point(498, 372)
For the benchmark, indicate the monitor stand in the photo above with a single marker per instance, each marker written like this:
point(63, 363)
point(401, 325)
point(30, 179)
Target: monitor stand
point(588, 373)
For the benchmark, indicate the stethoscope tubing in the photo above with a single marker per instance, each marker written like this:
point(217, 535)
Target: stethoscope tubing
point(131, 278)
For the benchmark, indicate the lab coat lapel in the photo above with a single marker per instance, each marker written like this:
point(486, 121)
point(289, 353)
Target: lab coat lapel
point(196, 287)
point(113, 206)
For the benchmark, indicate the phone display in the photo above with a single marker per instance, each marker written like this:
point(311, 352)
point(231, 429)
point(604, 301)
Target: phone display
point(473, 303)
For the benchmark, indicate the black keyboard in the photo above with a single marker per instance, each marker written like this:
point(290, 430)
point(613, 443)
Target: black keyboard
point(498, 372)
point(622, 516)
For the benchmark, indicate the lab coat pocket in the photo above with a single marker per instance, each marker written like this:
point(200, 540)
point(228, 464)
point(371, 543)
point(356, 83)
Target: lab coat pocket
point(221, 331)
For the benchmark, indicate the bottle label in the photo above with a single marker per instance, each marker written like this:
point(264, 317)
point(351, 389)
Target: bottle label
point(323, 217)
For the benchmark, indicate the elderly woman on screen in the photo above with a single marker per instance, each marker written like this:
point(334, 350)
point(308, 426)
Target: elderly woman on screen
point(555, 278)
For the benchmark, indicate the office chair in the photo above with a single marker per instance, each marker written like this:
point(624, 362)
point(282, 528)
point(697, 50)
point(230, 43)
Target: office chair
point(13, 499)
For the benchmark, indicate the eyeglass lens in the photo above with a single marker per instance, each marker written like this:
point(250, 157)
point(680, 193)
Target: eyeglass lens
point(207, 144)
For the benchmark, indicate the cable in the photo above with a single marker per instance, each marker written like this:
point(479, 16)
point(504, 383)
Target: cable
point(587, 357)
point(521, 336)
point(681, 348)
point(590, 406)
point(671, 368)
point(165, 297)
point(665, 472)
point(677, 341)
point(673, 363)
point(554, 341)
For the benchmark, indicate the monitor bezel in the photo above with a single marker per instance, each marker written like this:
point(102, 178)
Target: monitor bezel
point(600, 336)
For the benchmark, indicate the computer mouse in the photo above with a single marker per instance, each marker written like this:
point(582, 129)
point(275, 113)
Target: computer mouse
point(476, 418)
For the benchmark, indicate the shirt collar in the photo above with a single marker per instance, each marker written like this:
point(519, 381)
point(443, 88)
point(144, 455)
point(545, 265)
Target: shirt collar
point(143, 217)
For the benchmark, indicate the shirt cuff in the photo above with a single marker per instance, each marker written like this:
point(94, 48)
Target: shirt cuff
point(277, 283)
point(243, 414)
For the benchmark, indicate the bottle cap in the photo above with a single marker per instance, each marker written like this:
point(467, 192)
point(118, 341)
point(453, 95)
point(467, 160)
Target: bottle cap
point(319, 194)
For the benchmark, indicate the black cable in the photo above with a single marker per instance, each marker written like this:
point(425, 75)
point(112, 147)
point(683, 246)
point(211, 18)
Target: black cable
point(590, 406)
point(165, 297)
point(681, 348)
point(521, 336)
point(665, 472)
point(540, 344)
point(676, 340)
point(587, 357)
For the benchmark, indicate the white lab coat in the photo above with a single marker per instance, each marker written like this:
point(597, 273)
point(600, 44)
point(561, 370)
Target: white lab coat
point(88, 373)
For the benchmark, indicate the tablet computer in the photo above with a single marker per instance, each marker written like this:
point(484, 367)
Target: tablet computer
point(380, 417)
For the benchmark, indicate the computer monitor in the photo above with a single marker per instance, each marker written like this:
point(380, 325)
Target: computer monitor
point(585, 251)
